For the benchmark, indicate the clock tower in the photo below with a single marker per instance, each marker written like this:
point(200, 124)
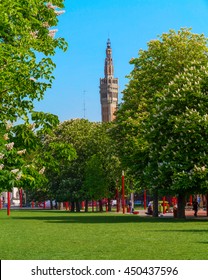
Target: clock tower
point(108, 88)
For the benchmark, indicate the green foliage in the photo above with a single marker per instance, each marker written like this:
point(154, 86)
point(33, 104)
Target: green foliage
point(77, 133)
point(95, 179)
point(55, 157)
point(80, 161)
point(161, 127)
point(19, 166)
point(108, 164)
point(26, 67)
point(24, 32)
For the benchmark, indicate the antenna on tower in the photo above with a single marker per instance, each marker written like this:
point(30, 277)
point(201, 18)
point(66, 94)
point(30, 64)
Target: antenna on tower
point(84, 105)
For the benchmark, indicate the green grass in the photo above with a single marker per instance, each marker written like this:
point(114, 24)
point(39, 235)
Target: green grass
point(60, 235)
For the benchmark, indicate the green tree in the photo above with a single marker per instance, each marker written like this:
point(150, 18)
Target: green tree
point(26, 45)
point(103, 168)
point(77, 133)
point(164, 115)
point(95, 180)
point(95, 158)
point(25, 32)
point(55, 157)
point(18, 168)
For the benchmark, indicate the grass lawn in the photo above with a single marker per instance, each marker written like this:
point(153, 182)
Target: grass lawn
point(60, 235)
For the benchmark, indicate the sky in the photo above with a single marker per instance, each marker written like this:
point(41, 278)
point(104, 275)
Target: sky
point(86, 25)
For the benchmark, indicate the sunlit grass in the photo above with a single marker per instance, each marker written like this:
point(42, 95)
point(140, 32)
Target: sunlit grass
point(58, 235)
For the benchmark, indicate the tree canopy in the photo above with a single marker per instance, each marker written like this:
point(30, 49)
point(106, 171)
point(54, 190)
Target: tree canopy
point(25, 34)
point(27, 44)
point(162, 122)
point(92, 169)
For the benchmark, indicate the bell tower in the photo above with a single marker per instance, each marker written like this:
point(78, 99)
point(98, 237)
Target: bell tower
point(108, 88)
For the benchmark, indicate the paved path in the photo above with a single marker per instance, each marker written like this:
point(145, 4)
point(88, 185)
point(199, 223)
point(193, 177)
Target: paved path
point(189, 214)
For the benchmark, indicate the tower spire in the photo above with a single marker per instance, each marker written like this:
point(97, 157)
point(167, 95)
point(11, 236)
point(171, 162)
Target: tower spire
point(108, 71)
point(108, 88)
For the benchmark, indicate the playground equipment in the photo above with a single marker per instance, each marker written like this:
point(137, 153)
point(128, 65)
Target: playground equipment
point(163, 206)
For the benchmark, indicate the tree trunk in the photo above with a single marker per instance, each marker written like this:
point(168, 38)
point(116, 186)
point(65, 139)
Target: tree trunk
point(78, 206)
point(72, 206)
point(109, 204)
point(155, 203)
point(60, 206)
point(56, 205)
point(51, 204)
point(86, 205)
point(100, 205)
point(181, 206)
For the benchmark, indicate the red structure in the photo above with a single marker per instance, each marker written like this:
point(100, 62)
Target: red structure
point(67, 205)
point(8, 203)
point(164, 208)
point(191, 199)
point(83, 205)
point(123, 193)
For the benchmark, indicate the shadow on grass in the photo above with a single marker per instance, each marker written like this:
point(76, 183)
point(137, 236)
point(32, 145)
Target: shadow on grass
point(94, 218)
point(184, 230)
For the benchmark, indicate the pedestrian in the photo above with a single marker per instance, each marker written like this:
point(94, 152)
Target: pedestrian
point(195, 207)
point(149, 209)
point(130, 206)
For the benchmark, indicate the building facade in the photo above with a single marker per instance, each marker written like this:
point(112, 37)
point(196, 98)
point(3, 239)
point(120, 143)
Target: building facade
point(108, 88)
point(14, 197)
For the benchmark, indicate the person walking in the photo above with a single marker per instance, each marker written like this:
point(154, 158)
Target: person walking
point(195, 207)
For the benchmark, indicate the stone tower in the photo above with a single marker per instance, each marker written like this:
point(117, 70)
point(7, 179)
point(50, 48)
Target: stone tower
point(108, 88)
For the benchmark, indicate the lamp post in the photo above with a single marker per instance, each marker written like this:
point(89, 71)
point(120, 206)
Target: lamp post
point(164, 205)
point(123, 193)
point(191, 199)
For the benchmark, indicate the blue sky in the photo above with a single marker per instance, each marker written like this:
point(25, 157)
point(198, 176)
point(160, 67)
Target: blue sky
point(130, 25)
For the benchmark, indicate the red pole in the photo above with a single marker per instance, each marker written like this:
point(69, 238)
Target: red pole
point(191, 199)
point(123, 193)
point(145, 199)
point(164, 205)
point(44, 205)
point(92, 205)
point(8, 203)
point(32, 204)
point(83, 205)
